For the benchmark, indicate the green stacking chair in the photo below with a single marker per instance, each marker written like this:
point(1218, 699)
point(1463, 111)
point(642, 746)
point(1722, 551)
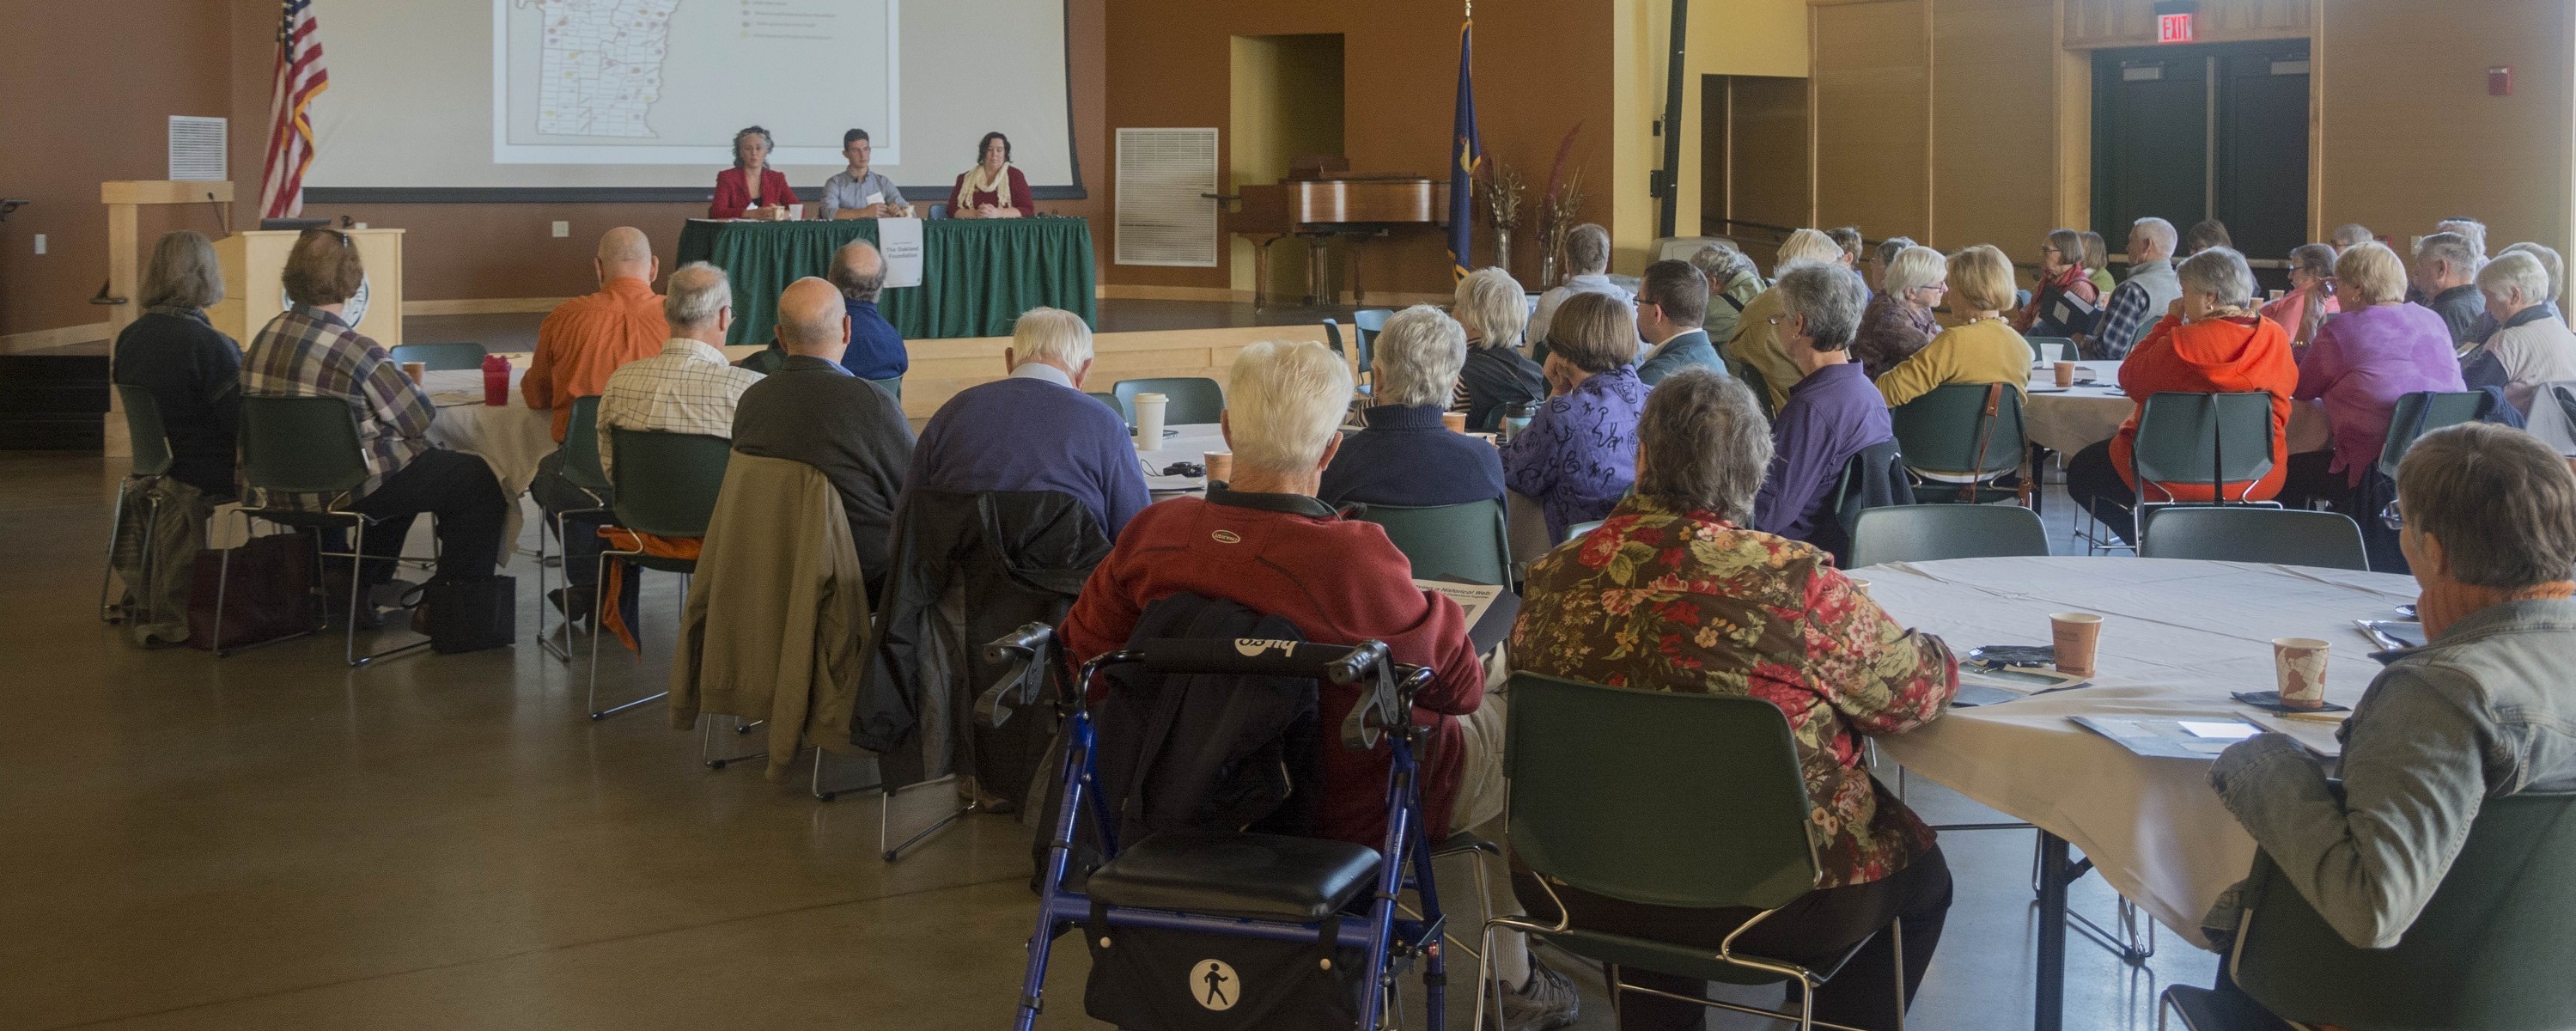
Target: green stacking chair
point(2039, 349)
point(2210, 440)
point(1192, 399)
point(2422, 412)
point(2244, 533)
point(1470, 542)
point(1965, 429)
point(1724, 827)
point(891, 386)
point(1369, 322)
point(581, 469)
point(306, 445)
point(151, 458)
point(439, 357)
point(666, 485)
point(1928, 533)
point(1119, 405)
point(2490, 950)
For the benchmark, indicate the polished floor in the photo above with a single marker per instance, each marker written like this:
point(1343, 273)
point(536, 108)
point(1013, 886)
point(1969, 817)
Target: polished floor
point(274, 842)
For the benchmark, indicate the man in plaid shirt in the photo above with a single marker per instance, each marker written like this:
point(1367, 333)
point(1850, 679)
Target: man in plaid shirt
point(2143, 298)
point(310, 350)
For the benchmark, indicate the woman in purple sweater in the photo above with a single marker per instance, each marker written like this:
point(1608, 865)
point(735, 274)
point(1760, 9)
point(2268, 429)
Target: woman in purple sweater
point(1579, 454)
point(2378, 349)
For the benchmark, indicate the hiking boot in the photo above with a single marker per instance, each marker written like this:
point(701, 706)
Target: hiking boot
point(576, 602)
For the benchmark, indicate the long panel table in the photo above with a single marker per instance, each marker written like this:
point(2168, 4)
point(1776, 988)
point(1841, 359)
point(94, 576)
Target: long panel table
point(977, 274)
point(2177, 638)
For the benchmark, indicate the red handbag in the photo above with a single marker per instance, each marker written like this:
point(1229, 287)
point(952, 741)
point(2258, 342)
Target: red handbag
point(269, 594)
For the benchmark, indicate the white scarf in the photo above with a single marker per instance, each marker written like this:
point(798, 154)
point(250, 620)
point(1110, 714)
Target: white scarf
point(997, 183)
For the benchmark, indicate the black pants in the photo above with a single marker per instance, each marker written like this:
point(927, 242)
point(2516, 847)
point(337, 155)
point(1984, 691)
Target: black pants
point(1812, 931)
point(2093, 482)
point(581, 543)
point(452, 485)
point(2312, 480)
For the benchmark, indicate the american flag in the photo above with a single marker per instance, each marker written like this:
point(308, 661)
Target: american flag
point(300, 78)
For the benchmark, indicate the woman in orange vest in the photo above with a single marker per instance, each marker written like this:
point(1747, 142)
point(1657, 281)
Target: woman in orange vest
point(2212, 341)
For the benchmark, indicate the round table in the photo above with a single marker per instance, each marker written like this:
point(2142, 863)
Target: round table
point(2070, 420)
point(1182, 442)
point(511, 438)
point(2177, 637)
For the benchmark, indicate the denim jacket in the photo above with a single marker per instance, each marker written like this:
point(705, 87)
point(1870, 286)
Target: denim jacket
point(2482, 713)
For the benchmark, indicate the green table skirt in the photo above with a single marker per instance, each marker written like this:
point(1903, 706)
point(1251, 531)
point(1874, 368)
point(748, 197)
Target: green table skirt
point(977, 275)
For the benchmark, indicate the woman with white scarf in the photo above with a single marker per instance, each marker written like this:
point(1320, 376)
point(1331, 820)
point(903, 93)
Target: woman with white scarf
point(993, 188)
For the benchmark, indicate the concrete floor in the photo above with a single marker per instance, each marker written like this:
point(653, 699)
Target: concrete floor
point(275, 842)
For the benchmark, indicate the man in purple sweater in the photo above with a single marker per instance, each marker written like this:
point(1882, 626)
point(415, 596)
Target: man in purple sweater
point(1036, 429)
point(1832, 413)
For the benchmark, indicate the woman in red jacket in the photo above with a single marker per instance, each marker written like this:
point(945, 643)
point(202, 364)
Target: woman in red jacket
point(750, 188)
point(994, 188)
point(2211, 341)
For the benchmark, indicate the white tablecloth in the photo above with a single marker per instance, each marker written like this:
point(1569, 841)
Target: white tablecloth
point(510, 438)
point(2079, 417)
point(2177, 637)
point(1183, 442)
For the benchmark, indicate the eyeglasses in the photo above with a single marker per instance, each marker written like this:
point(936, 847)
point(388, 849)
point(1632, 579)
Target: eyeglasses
point(2391, 518)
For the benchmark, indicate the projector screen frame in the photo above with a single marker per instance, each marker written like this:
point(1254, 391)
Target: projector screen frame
point(688, 194)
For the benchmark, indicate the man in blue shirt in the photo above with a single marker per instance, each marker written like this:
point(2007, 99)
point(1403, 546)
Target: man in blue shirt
point(859, 191)
point(876, 350)
point(1832, 413)
point(1672, 301)
point(1035, 429)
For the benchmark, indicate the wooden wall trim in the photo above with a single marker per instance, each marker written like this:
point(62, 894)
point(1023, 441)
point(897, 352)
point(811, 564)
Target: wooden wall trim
point(482, 306)
point(47, 339)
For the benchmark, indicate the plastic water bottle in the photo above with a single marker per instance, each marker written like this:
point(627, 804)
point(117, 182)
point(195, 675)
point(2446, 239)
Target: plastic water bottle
point(1516, 417)
point(496, 380)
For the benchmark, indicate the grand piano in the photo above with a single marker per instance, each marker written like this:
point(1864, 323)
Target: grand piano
point(1322, 199)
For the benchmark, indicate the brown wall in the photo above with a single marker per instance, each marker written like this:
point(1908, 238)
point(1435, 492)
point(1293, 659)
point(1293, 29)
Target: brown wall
point(1540, 68)
point(57, 152)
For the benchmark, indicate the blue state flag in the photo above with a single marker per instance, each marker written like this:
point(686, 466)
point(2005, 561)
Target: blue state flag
point(1467, 154)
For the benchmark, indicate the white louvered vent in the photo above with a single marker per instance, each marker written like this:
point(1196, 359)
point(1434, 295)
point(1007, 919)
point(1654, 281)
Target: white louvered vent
point(196, 148)
point(1164, 215)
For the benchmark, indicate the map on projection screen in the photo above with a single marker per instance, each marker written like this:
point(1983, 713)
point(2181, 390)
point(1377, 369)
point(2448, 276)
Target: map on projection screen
point(661, 81)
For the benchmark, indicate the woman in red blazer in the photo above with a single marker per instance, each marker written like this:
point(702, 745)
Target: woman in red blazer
point(750, 186)
point(993, 188)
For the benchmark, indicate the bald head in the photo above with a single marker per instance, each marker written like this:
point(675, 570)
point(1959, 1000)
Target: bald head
point(858, 271)
point(812, 320)
point(624, 253)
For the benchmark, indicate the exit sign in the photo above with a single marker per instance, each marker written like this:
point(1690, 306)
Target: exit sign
point(2173, 28)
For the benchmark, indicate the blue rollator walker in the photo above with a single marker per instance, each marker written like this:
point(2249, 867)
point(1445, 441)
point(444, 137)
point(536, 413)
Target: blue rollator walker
point(1189, 893)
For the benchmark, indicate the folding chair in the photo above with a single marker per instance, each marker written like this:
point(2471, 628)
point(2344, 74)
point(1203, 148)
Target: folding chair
point(1191, 399)
point(151, 458)
point(2243, 533)
point(2422, 412)
point(1339, 896)
point(1962, 440)
point(306, 446)
point(1470, 541)
point(2489, 951)
point(666, 487)
point(1927, 533)
point(580, 469)
point(1727, 827)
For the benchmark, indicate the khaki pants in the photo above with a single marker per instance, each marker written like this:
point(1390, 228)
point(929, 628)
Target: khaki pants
point(1482, 794)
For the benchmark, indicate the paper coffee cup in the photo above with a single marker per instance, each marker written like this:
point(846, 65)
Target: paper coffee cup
point(1455, 421)
point(415, 370)
point(1149, 421)
point(1220, 466)
point(2052, 353)
point(2077, 635)
point(2300, 664)
point(2065, 374)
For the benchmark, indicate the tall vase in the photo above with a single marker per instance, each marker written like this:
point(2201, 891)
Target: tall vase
point(1503, 248)
point(1547, 270)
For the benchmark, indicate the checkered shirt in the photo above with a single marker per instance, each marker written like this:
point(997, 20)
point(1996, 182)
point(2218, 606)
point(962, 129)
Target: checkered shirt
point(304, 352)
point(687, 388)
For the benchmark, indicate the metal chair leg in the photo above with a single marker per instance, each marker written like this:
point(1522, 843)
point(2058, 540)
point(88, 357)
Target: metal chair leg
point(357, 565)
point(598, 617)
point(108, 613)
point(815, 786)
point(885, 826)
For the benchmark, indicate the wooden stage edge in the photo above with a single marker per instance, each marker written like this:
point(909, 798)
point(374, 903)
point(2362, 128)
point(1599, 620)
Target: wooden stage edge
point(941, 368)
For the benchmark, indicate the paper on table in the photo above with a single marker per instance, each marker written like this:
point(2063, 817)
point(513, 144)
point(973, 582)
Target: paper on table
point(1475, 598)
point(2166, 739)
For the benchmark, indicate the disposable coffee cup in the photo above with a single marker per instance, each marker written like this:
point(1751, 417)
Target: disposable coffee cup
point(415, 370)
point(2077, 634)
point(2052, 353)
point(1149, 421)
point(2065, 374)
point(2300, 665)
point(1455, 421)
point(1220, 466)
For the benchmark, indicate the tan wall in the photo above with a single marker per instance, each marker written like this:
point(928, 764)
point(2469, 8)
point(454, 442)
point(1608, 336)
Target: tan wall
point(1734, 37)
point(2405, 134)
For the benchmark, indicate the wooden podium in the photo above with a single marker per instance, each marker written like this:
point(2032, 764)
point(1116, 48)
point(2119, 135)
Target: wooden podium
point(253, 265)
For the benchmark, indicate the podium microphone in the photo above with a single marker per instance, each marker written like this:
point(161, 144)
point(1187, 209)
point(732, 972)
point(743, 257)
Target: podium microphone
point(222, 217)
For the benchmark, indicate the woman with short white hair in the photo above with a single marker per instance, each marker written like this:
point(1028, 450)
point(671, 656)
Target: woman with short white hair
point(1899, 320)
point(1406, 456)
point(1492, 309)
point(192, 370)
point(2212, 341)
point(2531, 347)
point(1755, 345)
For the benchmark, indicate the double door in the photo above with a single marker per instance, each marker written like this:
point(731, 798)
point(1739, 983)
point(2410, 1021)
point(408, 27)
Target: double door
point(2188, 133)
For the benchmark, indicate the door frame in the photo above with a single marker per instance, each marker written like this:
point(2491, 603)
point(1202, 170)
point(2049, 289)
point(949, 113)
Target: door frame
point(2214, 57)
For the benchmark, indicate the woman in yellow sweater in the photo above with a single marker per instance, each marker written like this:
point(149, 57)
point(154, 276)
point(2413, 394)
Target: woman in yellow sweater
point(1983, 349)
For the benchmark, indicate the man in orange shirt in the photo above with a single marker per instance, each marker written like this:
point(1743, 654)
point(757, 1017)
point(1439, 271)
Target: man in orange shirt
point(584, 340)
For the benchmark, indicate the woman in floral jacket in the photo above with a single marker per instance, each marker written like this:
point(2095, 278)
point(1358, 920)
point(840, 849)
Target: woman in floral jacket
point(1672, 593)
